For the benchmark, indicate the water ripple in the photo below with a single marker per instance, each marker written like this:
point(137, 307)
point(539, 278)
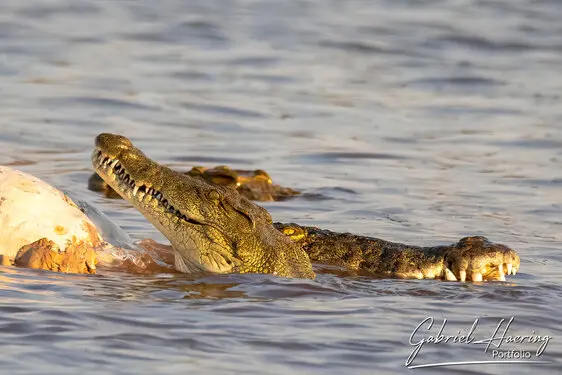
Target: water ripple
point(413, 121)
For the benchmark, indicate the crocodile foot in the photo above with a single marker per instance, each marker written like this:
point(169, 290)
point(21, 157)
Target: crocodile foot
point(477, 259)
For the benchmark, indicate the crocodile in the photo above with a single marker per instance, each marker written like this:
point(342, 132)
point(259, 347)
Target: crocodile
point(255, 184)
point(213, 228)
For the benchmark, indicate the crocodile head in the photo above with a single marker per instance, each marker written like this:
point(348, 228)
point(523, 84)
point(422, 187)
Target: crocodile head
point(211, 227)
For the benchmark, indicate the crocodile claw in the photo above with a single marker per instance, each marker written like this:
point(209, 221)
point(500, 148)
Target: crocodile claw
point(477, 259)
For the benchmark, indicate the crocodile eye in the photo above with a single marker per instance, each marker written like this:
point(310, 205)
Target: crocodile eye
point(214, 195)
point(288, 231)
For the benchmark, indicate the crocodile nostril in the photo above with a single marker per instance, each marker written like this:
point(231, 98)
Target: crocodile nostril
point(112, 140)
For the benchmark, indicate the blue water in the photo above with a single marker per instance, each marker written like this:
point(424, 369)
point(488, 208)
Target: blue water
point(414, 121)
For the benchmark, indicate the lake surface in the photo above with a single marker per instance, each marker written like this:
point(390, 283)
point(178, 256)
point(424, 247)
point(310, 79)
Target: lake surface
point(413, 121)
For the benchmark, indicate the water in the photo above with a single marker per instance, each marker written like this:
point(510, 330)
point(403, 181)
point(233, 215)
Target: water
point(416, 121)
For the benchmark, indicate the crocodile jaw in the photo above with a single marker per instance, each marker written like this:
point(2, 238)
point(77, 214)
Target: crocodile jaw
point(211, 227)
point(151, 203)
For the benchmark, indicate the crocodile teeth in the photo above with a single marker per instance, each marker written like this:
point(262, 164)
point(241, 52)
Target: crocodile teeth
point(135, 190)
point(462, 275)
point(140, 196)
point(476, 276)
point(449, 276)
point(509, 268)
point(112, 165)
point(500, 271)
point(91, 264)
point(159, 196)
